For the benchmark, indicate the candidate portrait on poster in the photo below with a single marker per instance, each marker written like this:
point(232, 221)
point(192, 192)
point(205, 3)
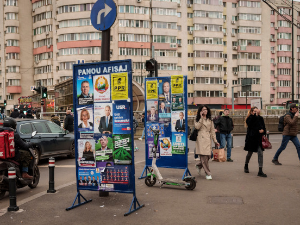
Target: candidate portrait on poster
point(86, 153)
point(105, 123)
point(178, 121)
point(85, 90)
point(165, 90)
point(152, 112)
point(85, 119)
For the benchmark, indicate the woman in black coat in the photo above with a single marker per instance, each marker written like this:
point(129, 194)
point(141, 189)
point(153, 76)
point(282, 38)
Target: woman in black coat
point(253, 143)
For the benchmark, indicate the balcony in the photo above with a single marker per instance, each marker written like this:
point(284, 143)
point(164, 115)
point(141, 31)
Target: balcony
point(14, 89)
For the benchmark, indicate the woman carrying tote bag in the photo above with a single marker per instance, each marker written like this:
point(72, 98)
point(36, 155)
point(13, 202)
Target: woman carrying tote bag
point(206, 133)
point(253, 142)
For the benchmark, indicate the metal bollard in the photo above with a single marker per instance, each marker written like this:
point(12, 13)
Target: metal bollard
point(268, 134)
point(51, 175)
point(12, 190)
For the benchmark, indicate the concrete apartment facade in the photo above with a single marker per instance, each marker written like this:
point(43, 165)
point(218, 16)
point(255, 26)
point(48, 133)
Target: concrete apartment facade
point(215, 43)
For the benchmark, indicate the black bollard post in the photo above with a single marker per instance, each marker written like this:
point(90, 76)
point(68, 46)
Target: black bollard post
point(12, 190)
point(51, 175)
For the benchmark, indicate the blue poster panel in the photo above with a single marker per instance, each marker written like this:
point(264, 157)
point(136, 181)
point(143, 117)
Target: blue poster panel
point(167, 110)
point(103, 126)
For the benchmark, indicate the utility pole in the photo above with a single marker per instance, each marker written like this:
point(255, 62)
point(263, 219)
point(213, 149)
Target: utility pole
point(246, 79)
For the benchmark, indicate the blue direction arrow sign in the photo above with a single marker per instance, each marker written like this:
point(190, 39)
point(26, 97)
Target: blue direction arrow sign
point(103, 14)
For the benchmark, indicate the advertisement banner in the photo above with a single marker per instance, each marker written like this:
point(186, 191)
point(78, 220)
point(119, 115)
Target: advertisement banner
point(178, 143)
point(119, 89)
point(121, 117)
point(152, 92)
point(101, 88)
point(122, 149)
point(177, 84)
point(86, 153)
point(85, 90)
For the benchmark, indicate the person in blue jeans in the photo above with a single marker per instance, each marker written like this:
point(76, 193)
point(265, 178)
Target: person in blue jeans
point(143, 121)
point(289, 133)
point(225, 124)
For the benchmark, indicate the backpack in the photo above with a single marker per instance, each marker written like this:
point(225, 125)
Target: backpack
point(7, 150)
point(281, 123)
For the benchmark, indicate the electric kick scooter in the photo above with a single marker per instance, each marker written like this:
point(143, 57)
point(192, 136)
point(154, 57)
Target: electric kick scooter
point(189, 182)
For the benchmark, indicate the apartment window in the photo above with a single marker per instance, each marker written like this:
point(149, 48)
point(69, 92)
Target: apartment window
point(284, 47)
point(208, 54)
point(190, 68)
point(12, 56)
point(164, 12)
point(139, 51)
point(284, 71)
point(47, 55)
point(224, 43)
point(13, 69)
point(208, 41)
point(208, 2)
point(42, 43)
point(43, 69)
point(178, 27)
point(233, 5)
point(179, 14)
point(250, 30)
point(224, 4)
point(251, 17)
point(209, 67)
point(272, 72)
point(189, 15)
point(11, 16)
point(272, 48)
point(272, 60)
point(249, 68)
point(9, 97)
point(190, 55)
point(179, 54)
point(164, 53)
point(285, 11)
point(167, 66)
point(190, 95)
point(12, 30)
point(164, 25)
point(79, 37)
point(42, 16)
point(250, 4)
point(283, 94)
point(208, 27)
point(284, 59)
point(162, 39)
point(234, 56)
point(66, 65)
point(272, 12)
point(284, 83)
point(13, 82)
point(190, 41)
point(283, 23)
point(285, 36)
point(208, 14)
point(42, 29)
point(41, 3)
point(272, 24)
point(190, 81)
point(256, 81)
point(75, 8)
point(11, 2)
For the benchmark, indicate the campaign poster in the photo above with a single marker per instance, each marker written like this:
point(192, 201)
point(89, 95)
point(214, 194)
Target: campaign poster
point(113, 174)
point(150, 142)
point(164, 90)
point(152, 111)
point(151, 89)
point(101, 88)
point(119, 83)
point(177, 102)
point(122, 149)
point(164, 112)
point(102, 167)
point(177, 84)
point(104, 148)
point(165, 146)
point(121, 117)
point(86, 153)
point(89, 177)
point(178, 121)
point(85, 119)
point(155, 126)
point(85, 90)
point(178, 143)
point(103, 118)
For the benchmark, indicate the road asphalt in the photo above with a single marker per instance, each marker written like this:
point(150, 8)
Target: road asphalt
point(232, 197)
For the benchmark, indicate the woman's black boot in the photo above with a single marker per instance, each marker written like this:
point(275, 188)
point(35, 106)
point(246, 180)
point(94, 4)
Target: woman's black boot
point(246, 169)
point(260, 173)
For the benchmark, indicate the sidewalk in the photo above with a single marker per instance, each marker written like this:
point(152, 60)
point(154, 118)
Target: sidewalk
point(251, 199)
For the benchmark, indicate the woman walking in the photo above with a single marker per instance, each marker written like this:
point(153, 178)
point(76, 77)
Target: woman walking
point(253, 143)
point(206, 133)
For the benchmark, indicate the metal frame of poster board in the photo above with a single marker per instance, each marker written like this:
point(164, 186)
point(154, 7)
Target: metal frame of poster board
point(176, 161)
point(99, 69)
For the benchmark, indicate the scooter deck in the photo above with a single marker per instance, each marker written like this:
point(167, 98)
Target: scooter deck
point(173, 182)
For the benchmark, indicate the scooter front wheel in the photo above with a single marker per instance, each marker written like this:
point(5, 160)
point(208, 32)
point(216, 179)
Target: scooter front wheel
point(148, 181)
point(191, 182)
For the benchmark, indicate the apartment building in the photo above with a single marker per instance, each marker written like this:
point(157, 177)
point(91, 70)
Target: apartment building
point(216, 43)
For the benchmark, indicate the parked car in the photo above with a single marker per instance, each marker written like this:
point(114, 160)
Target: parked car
point(51, 140)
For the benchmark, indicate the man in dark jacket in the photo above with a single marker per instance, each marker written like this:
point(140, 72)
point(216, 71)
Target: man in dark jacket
point(22, 115)
point(290, 132)
point(22, 154)
point(29, 114)
point(225, 124)
point(217, 128)
point(15, 113)
point(69, 122)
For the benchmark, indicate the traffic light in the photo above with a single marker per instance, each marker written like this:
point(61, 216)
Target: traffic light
point(44, 92)
point(37, 89)
point(151, 66)
point(5, 103)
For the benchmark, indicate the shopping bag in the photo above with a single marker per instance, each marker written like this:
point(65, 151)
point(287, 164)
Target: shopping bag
point(219, 155)
point(266, 143)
